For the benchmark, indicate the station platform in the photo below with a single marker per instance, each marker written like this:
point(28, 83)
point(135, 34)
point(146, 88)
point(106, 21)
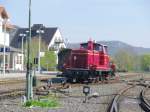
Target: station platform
point(47, 74)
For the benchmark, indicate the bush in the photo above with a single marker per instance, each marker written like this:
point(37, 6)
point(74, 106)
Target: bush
point(43, 103)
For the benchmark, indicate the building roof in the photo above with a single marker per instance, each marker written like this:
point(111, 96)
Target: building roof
point(3, 13)
point(46, 36)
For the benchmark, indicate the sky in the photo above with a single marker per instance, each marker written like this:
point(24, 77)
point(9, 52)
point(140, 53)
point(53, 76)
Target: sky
point(79, 20)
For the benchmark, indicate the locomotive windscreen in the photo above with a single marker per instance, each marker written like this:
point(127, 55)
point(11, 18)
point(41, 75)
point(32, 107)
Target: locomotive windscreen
point(84, 46)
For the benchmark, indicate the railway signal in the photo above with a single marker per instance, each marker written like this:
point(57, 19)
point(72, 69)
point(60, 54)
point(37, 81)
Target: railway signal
point(86, 91)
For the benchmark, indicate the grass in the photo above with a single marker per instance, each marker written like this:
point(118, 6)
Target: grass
point(50, 103)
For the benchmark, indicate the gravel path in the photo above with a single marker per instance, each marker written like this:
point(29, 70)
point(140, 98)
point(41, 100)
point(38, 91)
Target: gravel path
point(73, 103)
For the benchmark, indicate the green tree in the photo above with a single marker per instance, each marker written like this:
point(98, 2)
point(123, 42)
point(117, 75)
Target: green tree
point(49, 60)
point(35, 48)
point(124, 60)
point(145, 62)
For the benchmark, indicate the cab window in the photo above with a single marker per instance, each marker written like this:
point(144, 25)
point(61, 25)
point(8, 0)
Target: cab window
point(84, 46)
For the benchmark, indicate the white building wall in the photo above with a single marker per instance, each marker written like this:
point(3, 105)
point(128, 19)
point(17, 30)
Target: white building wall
point(1, 21)
point(6, 38)
point(2, 34)
point(57, 36)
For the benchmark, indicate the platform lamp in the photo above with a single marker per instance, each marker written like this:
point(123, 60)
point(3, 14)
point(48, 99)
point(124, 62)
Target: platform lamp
point(22, 35)
point(39, 32)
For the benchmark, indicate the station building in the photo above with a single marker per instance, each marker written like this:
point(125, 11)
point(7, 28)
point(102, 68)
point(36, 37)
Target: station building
point(13, 56)
point(10, 37)
point(51, 36)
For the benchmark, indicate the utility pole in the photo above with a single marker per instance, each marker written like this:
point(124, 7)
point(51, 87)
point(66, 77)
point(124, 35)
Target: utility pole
point(29, 93)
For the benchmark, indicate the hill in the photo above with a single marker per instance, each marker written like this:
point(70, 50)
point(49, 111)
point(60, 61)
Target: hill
point(115, 46)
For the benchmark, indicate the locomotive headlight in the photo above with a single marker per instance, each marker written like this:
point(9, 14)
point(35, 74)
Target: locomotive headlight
point(86, 90)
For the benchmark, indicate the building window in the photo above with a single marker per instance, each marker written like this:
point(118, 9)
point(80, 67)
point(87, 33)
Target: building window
point(19, 60)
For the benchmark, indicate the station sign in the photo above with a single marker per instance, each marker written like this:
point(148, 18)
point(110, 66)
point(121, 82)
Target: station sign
point(6, 49)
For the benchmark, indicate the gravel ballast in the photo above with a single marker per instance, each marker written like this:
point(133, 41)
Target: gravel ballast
point(71, 103)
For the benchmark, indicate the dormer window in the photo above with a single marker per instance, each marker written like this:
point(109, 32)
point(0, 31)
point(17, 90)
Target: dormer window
point(58, 41)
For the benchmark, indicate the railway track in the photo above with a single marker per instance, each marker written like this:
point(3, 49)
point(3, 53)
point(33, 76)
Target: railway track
point(11, 81)
point(144, 102)
point(132, 94)
point(16, 87)
point(21, 80)
point(112, 107)
point(77, 100)
point(11, 93)
point(73, 101)
point(40, 78)
point(101, 100)
point(41, 90)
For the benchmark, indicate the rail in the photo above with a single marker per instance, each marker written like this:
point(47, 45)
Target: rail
point(113, 107)
point(144, 103)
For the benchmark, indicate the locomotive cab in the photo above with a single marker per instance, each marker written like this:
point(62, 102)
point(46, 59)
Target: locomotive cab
point(91, 46)
point(94, 46)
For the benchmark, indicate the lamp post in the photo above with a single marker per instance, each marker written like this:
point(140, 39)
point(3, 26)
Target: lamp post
point(4, 50)
point(39, 64)
point(22, 42)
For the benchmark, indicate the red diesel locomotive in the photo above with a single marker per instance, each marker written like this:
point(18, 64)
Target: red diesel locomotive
point(90, 62)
